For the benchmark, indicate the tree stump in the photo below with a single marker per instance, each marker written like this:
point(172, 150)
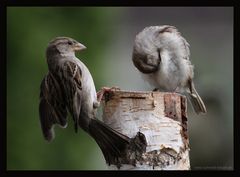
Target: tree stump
point(161, 118)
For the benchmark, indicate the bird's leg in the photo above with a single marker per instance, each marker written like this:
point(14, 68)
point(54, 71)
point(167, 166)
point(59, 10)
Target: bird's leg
point(100, 94)
point(177, 90)
point(156, 90)
point(105, 90)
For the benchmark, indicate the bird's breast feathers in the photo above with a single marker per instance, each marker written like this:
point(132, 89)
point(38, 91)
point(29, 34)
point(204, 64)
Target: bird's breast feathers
point(87, 84)
point(172, 72)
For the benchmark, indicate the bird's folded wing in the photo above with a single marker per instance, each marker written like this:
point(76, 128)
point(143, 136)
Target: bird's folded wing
point(72, 81)
point(52, 108)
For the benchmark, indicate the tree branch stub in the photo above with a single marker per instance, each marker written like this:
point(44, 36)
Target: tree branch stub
point(157, 124)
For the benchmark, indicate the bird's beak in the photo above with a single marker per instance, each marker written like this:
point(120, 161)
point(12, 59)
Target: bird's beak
point(79, 46)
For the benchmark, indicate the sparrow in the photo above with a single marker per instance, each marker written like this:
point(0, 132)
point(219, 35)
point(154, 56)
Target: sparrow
point(161, 55)
point(69, 87)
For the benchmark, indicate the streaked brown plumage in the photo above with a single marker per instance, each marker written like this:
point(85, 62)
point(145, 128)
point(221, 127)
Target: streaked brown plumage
point(69, 87)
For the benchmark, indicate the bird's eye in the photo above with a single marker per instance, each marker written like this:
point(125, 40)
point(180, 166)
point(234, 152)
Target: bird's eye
point(70, 43)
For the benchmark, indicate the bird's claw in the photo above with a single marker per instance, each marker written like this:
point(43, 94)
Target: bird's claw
point(156, 90)
point(104, 90)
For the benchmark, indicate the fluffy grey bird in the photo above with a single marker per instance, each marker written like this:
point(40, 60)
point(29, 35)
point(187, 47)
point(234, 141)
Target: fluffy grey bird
point(69, 87)
point(161, 54)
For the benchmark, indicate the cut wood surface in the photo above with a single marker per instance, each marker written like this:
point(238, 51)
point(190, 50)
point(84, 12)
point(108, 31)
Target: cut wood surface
point(161, 118)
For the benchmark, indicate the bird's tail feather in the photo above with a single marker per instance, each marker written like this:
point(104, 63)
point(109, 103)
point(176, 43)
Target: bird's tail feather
point(196, 101)
point(112, 143)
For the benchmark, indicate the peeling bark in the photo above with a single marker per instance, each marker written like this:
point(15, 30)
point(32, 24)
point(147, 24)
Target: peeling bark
point(157, 124)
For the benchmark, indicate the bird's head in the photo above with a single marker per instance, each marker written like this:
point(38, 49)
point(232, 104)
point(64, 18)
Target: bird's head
point(154, 38)
point(64, 45)
point(146, 51)
point(156, 43)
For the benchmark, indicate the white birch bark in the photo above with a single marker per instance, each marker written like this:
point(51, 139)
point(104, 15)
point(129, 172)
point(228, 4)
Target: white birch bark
point(161, 117)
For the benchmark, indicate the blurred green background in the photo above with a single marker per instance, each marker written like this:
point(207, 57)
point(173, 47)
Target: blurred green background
point(108, 33)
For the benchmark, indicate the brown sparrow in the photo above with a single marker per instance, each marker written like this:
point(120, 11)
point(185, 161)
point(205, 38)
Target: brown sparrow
point(161, 54)
point(69, 87)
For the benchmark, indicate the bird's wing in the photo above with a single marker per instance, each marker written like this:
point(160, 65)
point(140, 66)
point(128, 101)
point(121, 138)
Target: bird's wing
point(71, 75)
point(52, 108)
point(186, 47)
